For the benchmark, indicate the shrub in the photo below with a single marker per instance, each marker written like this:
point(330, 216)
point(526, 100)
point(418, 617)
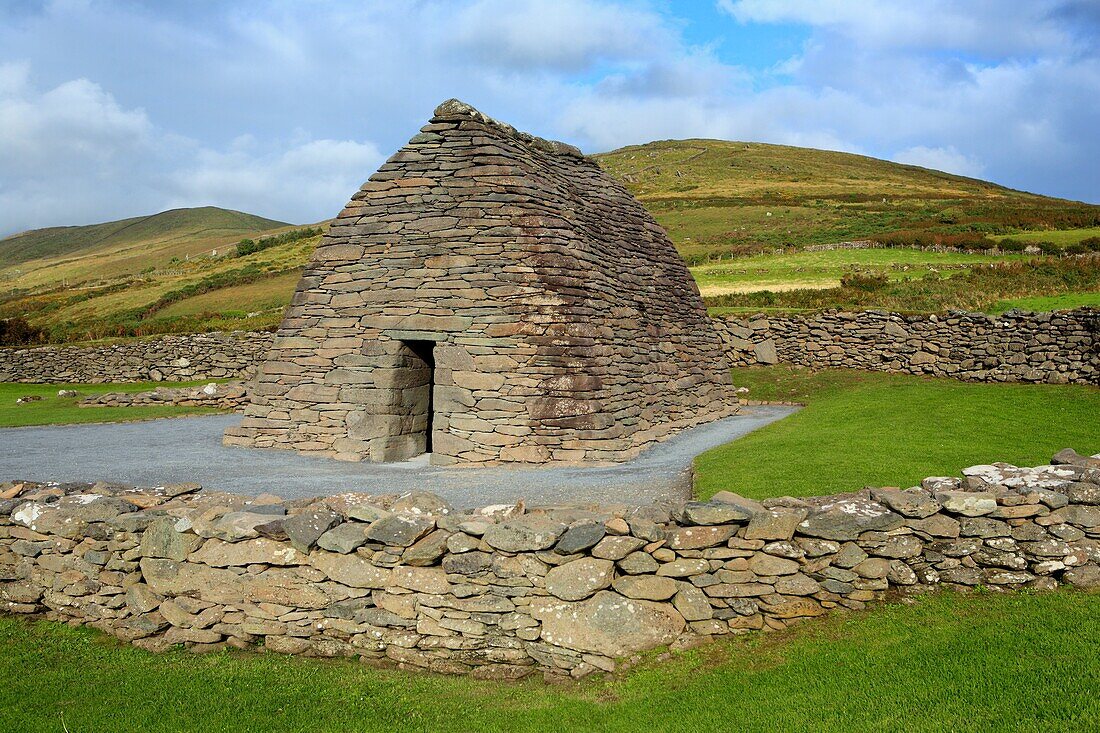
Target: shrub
point(18, 332)
point(868, 282)
point(248, 246)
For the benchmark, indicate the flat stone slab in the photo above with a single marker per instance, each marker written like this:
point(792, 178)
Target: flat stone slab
point(157, 452)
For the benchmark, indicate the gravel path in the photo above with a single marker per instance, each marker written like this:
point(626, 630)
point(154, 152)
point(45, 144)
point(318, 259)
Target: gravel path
point(174, 450)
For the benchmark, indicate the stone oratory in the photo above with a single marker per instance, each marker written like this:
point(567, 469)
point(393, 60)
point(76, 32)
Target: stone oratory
point(489, 297)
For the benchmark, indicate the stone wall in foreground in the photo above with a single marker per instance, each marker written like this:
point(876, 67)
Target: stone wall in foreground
point(503, 592)
point(174, 358)
point(1061, 347)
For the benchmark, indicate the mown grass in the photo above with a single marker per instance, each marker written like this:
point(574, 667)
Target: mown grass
point(54, 410)
point(949, 662)
point(867, 428)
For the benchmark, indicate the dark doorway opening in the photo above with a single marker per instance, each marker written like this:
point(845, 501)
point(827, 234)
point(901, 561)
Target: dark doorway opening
point(425, 351)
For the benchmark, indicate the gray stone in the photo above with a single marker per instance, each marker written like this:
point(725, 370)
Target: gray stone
point(162, 540)
point(646, 587)
point(901, 574)
point(427, 550)
point(778, 523)
point(366, 513)
point(468, 563)
point(579, 579)
point(305, 528)
point(683, 568)
point(421, 503)
point(616, 548)
point(915, 504)
point(637, 563)
point(1085, 577)
point(344, 538)
point(1080, 516)
point(967, 503)
point(607, 624)
point(1082, 493)
point(763, 565)
point(526, 533)
point(712, 512)
point(217, 553)
point(847, 518)
point(399, 530)
point(692, 603)
point(797, 585)
point(580, 536)
point(350, 570)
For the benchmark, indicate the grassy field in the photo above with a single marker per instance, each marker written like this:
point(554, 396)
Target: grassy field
point(1061, 237)
point(128, 246)
point(817, 270)
point(983, 288)
point(1048, 302)
point(54, 410)
point(949, 662)
point(866, 428)
point(719, 197)
point(264, 295)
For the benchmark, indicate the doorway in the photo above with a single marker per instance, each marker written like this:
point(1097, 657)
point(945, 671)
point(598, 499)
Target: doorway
point(421, 395)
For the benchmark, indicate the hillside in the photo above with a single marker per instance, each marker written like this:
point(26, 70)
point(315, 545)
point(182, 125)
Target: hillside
point(174, 225)
point(742, 214)
point(718, 198)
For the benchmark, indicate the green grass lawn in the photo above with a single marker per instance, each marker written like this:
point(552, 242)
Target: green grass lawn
point(868, 428)
point(1049, 302)
point(54, 410)
point(949, 662)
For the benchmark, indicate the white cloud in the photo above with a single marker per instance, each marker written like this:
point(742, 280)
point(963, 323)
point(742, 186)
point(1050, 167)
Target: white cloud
point(72, 154)
point(564, 35)
point(110, 109)
point(946, 159)
point(983, 26)
point(306, 178)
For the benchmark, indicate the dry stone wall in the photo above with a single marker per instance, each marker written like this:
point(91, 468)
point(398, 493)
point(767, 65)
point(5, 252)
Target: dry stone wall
point(175, 358)
point(497, 298)
point(506, 592)
point(224, 396)
point(1060, 347)
point(1014, 347)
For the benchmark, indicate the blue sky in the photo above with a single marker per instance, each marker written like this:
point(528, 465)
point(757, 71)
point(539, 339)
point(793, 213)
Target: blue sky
point(112, 108)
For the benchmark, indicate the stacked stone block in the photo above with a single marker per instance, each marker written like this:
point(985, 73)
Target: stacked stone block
point(506, 592)
point(174, 358)
point(559, 322)
point(1058, 348)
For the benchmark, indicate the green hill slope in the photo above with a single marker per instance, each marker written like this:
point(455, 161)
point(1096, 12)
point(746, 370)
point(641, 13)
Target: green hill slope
point(175, 225)
point(742, 214)
point(718, 198)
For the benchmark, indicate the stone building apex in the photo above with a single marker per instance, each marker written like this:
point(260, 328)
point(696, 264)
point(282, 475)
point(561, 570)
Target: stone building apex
point(457, 109)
